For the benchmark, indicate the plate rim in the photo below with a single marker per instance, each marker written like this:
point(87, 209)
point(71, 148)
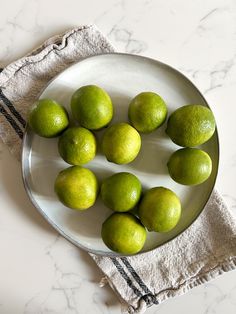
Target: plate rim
point(26, 151)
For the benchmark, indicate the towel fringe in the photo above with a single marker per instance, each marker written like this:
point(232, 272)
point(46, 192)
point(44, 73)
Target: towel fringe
point(103, 282)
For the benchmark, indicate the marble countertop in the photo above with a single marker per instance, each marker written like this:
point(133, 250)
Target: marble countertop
point(41, 272)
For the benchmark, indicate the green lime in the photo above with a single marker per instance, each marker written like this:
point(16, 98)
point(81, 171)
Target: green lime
point(191, 125)
point(121, 191)
point(147, 112)
point(190, 166)
point(77, 146)
point(123, 233)
point(47, 118)
point(92, 107)
point(160, 209)
point(121, 143)
point(76, 187)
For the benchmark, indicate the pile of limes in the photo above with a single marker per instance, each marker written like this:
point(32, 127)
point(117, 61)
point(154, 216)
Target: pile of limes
point(159, 209)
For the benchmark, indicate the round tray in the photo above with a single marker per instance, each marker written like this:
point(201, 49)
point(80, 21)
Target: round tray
point(123, 76)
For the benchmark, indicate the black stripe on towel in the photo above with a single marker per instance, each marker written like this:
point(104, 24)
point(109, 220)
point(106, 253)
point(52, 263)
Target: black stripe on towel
point(139, 281)
point(11, 122)
point(135, 275)
point(126, 277)
point(13, 110)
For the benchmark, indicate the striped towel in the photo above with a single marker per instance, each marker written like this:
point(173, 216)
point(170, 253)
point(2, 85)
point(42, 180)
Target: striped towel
point(204, 251)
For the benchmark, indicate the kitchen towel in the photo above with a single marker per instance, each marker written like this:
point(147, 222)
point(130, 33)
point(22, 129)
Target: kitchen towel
point(205, 250)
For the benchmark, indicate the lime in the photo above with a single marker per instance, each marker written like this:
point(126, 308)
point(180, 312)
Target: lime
point(121, 143)
point(190, 166)
point(147, 112)
point(123, 233)
point(121, 191)
point(92, 107)
point(160, 209)
point(76, 187)
point(191, 125)
point(47, 118)
point(77, 146)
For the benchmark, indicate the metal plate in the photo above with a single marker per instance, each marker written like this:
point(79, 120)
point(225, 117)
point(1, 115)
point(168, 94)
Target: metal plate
point(123, 76)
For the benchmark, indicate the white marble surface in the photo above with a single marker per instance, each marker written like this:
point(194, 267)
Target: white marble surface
point(41, 272)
